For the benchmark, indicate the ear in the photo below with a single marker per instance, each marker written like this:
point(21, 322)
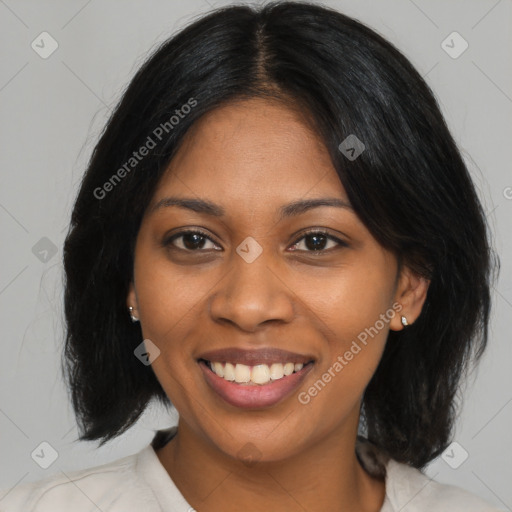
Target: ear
point(411, 293)
point(131, 299)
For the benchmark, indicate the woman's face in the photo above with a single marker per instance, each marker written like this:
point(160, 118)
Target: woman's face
point(253, 294)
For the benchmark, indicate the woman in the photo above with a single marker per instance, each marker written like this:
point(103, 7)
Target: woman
point(277, 234)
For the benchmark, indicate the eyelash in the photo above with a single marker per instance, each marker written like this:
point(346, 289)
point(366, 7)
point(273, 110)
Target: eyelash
point(169, 241)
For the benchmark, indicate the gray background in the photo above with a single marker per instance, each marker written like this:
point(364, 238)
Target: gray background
point(52, 111)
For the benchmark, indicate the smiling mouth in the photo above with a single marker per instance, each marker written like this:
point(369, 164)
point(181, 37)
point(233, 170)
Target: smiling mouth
point(256, 375)
point(254, 379)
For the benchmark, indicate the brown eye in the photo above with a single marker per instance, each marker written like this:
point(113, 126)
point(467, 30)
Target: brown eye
point(191, 241)
point(314, 241)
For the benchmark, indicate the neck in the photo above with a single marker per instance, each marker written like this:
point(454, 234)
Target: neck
point(319, 478)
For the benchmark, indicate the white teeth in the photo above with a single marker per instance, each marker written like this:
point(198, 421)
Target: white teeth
point(242, 373)
point(218, 369)
point(288, 368)
point(276, 371)
point(259, 374)
point(229, 372)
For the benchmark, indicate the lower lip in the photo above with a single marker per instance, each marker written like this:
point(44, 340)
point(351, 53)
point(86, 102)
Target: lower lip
point(254, 396)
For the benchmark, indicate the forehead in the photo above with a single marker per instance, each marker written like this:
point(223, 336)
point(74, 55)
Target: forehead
point(254, 147)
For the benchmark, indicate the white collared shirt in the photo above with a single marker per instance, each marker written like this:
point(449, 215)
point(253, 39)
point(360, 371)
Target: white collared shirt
point(139, 482)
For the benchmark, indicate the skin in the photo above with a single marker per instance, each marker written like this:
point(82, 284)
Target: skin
point(251, 158)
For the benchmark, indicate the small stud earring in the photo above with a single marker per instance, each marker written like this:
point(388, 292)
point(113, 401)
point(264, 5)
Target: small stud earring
point(133, 317)
point(405, 323)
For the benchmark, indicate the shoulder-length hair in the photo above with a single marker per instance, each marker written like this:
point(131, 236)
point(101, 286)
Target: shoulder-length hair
point(410, 187)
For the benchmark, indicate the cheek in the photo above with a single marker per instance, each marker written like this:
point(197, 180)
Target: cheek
point(168, 297)
point(168, 303)
point(353, 313)
point(356, 341)
point(351, 300)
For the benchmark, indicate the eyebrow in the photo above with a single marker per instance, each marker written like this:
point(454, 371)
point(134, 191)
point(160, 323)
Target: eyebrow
point(289, 210)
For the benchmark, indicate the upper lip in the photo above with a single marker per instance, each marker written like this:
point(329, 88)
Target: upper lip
point(255, 356)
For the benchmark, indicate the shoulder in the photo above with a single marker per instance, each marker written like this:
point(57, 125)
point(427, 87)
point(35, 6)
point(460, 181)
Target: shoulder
point(410, 490)
point(114, 487)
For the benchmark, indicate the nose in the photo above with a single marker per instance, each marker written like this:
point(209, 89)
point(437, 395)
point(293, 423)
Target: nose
point(250, 295)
